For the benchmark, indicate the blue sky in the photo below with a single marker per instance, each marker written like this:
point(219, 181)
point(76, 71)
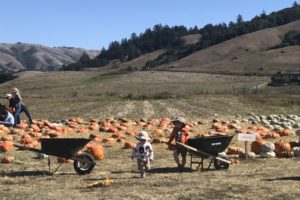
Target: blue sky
point(92, 24)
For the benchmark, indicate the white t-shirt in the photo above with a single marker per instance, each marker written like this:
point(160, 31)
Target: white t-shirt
point(9, 120)
point(143, 152)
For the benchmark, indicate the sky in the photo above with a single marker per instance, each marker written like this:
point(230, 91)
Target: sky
point(93, 24)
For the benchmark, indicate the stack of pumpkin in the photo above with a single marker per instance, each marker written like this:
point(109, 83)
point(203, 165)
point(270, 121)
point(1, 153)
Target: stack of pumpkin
point(267, 150)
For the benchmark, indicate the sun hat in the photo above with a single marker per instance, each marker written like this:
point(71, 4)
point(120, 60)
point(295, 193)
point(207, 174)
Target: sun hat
point(15, 90)
point(8, 95)
point(143, 135)
point(179, 119)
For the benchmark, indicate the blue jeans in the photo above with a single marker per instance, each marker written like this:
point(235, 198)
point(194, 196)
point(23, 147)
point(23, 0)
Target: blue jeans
point(17, 114)
point(21, 108)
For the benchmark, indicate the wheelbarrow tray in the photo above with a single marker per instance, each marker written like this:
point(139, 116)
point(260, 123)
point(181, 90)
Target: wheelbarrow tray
point(211, 145)
point(208, 148)
point(66, 148)
point(63, 147)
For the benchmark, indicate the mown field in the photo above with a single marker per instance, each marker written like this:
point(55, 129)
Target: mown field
point(61, 95)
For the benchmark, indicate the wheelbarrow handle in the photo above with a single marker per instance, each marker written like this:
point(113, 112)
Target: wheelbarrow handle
point(28, 148)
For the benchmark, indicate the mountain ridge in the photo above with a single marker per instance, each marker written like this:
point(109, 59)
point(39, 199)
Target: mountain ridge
point(25, 56)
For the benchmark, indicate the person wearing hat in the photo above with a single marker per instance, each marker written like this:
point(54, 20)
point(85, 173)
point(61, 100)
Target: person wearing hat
point(11, 103)
point(8, 118)
point(143, 152)
point(180, 134)
point(18, 106)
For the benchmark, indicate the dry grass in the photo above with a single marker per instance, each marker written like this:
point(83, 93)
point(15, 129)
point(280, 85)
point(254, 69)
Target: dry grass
point(254, 179)
point(245, 54)
point(60, 95)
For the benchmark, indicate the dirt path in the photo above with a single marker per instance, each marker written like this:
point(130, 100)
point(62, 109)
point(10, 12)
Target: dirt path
point(126, 109)
point(170, 111)
point(148, 109)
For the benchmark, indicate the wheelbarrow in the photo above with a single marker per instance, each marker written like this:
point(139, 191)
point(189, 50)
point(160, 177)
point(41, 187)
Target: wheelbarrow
point(66, 148)
point(208, 148)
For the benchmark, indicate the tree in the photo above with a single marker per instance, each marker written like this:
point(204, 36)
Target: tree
point(239, 19)
point(295, 4)
point(85, 58)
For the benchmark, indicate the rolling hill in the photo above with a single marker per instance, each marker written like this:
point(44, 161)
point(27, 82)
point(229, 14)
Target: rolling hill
point(22, 56)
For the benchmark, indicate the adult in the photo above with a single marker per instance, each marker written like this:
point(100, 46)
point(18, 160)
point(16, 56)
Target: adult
point(19, 106)
point(8, 118)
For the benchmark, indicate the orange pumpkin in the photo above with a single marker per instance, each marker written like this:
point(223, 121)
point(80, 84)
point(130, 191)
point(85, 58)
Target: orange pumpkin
point(282, 146)
point(7, 160)
point(96, 151)
point(6, 146)
point(256, 146)
point(63, 160)
point(129, 145)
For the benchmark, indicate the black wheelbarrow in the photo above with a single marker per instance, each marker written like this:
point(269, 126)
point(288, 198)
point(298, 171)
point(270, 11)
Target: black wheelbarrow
point(66, 148)
point(208, 148)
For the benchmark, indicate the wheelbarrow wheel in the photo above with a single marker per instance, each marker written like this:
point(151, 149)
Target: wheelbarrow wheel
point(86, 166)
point(220, 164)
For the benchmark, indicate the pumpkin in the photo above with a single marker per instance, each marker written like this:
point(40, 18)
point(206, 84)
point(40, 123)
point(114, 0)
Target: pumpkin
point(269, 154)
point(129, 145)
point(35, 128)
point(156, 141)
point(7, 138)
point(235, 150)
point(267, 147)
point(256, 146)
point(282, 146)
point(109, 140)
point(6, 146)
point(7, 160)
point(96, 151)
point(63, 160)
point(25, 139)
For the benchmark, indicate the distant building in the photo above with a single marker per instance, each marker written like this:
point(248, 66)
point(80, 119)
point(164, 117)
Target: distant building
point(285, 78)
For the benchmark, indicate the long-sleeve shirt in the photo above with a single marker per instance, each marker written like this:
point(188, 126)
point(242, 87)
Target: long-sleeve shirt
point(9, 120)
point(17, 98)
point(180, 135)
point(143, 152)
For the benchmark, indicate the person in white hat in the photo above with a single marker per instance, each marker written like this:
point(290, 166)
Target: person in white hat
point(180, 134)
point(18, 106)
point(11, 103)
point(143, 152)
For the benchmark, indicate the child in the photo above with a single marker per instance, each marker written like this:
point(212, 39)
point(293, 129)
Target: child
point(180, 135)
point(8, 118)
point(144, 152)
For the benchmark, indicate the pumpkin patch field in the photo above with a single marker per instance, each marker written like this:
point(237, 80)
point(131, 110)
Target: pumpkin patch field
point(111, 109)
point(25, 175)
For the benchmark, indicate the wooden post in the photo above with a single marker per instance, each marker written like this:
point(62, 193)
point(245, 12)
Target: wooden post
point(246, 138)
point(246, 150)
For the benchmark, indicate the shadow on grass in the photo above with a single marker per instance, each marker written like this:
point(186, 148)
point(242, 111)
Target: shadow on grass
point(26, 173)
point(166, 170)
point(34, 173)
point(287, 178)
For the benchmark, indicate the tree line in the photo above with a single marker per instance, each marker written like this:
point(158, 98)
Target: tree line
point(170, 38)
point(5, 76)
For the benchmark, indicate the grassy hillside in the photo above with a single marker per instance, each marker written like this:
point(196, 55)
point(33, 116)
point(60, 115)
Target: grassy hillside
point(249, 53)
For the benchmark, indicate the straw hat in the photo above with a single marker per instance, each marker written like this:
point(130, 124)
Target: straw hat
point(143, 135)
point(179, 119)
point(8, 96)
point(15, 90)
